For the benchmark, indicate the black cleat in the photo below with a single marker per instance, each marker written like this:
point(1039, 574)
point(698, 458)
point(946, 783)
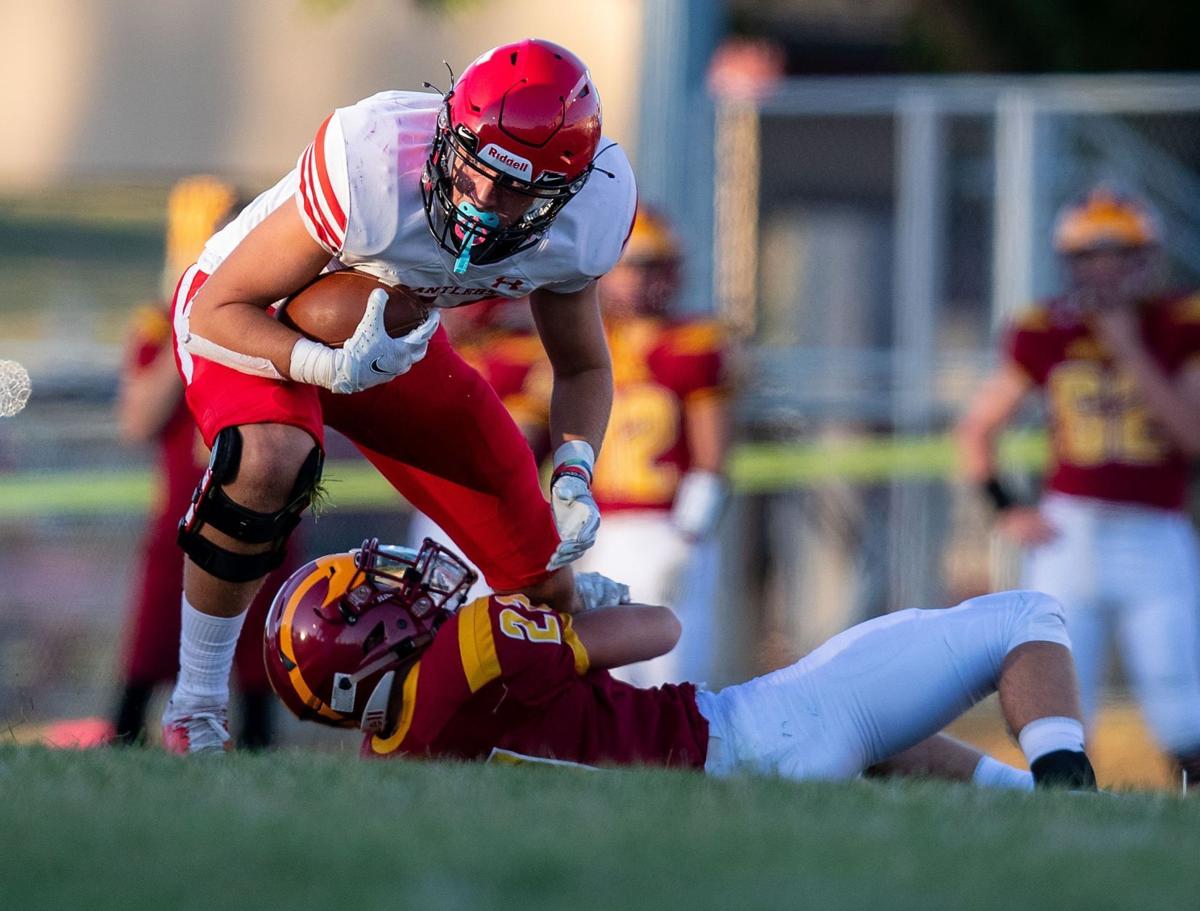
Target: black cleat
point(1064, 769)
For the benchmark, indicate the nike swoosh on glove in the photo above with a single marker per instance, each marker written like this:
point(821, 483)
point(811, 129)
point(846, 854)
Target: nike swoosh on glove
point(369, 357)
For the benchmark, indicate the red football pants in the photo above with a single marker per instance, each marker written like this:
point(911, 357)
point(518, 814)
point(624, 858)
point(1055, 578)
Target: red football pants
point(438, 433)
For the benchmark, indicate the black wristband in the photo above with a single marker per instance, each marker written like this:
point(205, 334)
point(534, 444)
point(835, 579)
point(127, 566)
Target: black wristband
point(997, 495)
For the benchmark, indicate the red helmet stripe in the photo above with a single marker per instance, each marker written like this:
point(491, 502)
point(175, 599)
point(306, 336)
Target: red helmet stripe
point(289, 651)
point(408, 696)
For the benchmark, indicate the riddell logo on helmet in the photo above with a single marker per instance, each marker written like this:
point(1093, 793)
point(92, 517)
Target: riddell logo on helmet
point(507, 161)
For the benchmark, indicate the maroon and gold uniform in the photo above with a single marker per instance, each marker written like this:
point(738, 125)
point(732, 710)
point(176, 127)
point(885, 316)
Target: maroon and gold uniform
point(503, 674)
point(1105, 444)
point(658, 367)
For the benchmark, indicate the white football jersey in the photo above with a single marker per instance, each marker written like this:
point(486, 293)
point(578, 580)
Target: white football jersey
point(358, 189)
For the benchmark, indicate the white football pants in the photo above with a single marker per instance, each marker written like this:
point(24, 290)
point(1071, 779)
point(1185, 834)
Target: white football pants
point(643, 550)
point(1133, 570)
point(874, 690)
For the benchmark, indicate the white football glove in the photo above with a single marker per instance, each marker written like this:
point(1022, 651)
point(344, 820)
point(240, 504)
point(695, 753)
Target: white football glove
point(369, 357)
point(597, 590)
point(576, 515)
point(699, 501)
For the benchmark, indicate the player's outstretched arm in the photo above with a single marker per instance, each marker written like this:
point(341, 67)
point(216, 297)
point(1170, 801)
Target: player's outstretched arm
point(988, 413)
point(626, 633)
point(275, 260)
point(572, 334)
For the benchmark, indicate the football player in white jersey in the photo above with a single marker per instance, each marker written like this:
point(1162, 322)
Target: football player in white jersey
point(503, 186)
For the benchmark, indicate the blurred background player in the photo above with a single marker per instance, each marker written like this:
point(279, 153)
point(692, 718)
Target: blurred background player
point(659, 481)
point(1119, 364)
point(150, 409)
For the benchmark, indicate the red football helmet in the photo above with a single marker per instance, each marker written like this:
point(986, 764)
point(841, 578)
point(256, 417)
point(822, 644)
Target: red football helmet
point(341, 626)
point(526, 117)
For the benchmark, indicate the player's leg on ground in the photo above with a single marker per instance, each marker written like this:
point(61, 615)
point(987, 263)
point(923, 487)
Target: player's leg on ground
point(271, 464)
point(878, 688)
point(1071, 569)
point(441, 437)
point(942, 756)
point(1159, 628)
point(1040, 701)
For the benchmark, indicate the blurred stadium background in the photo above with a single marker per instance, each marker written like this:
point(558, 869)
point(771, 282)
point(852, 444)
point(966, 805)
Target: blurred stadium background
point(859, 210)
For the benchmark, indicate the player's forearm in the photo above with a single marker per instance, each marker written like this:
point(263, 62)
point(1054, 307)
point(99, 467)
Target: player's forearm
point(1176, 413)
point(989, 413)
point(244, 328)
point(580, 405)
point(707, 421)
point(976, 451)
point(626, 633)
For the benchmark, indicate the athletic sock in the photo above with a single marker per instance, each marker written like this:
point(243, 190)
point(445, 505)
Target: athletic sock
point(1046, 735)
point(1053, 747)
point(991, 773)
point(206, 647)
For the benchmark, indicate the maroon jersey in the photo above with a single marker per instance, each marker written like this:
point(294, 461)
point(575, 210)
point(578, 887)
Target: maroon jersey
point(1104, 442)
point(180, 454)
point(658, 367)
point(505, 675)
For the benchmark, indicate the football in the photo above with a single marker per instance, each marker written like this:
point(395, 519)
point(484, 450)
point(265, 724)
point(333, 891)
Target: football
point(329, 309)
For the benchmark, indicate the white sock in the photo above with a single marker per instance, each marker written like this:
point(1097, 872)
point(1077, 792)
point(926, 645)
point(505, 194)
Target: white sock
point(992, 773)
point(206, 647)
point(1046, 735)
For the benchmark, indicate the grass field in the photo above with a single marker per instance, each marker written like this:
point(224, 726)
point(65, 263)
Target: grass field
point(138, 829)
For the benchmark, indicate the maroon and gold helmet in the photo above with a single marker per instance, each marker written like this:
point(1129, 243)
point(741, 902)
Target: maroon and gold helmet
point(342, 625)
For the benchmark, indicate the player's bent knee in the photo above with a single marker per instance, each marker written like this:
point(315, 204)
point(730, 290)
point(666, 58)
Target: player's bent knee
point(213, 506)
point(1039, 617)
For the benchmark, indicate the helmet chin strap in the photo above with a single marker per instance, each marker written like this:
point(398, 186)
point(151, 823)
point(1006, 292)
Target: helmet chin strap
point(470, 234)
point(375, 712)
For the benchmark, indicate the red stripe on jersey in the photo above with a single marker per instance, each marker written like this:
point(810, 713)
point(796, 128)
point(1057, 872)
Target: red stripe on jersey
point(323, 174)
point(311, 180)
point(311, 209)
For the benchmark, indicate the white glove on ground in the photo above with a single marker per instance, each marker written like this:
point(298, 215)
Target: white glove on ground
point(597, 590)
point(369, 357)
point(576, 515)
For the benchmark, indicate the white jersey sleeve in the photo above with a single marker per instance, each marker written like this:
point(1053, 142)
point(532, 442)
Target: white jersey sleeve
point(587, 238)
point(352, 174)
point(323, 196)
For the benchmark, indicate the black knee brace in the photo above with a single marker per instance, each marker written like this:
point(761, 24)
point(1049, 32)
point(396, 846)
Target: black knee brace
point(212, 506)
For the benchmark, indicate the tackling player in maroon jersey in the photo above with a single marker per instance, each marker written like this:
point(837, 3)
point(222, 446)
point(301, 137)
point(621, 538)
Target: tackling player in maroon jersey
point(375, 639)
point(1118, 363)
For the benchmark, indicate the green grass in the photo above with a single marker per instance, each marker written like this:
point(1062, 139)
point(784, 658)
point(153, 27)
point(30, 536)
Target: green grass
point(302, 830)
